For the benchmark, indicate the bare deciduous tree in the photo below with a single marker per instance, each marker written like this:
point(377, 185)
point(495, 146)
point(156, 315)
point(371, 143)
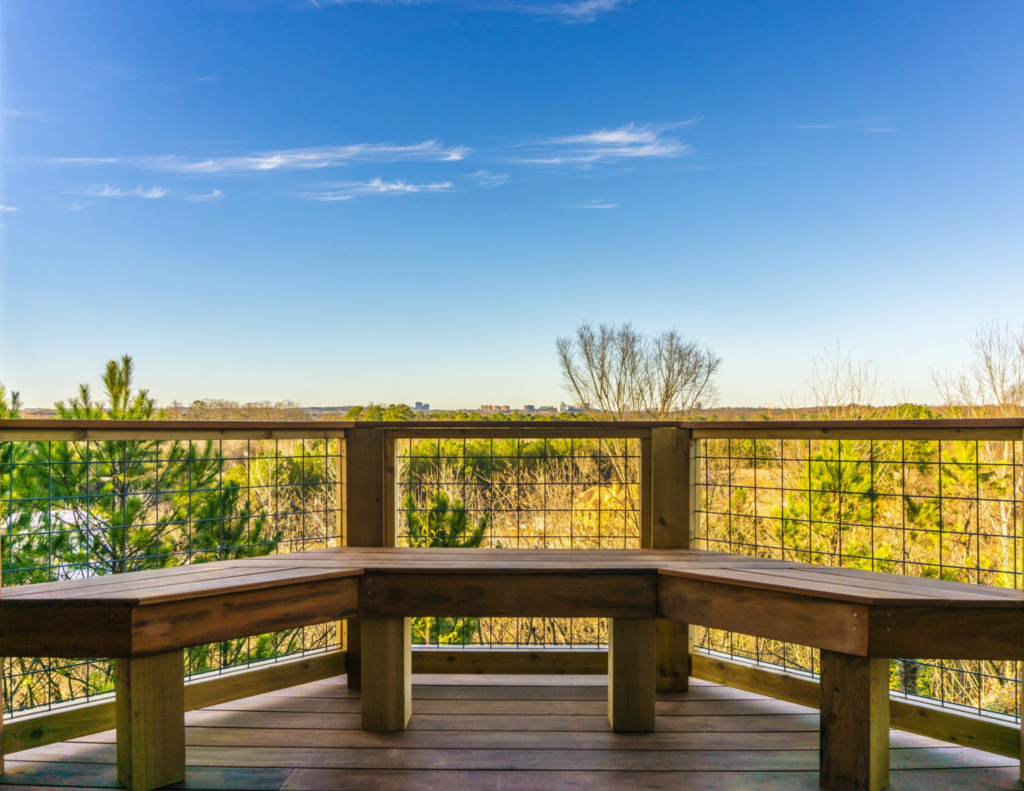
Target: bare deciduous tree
point(994, 382)
point(841, 389)
point(619, 373)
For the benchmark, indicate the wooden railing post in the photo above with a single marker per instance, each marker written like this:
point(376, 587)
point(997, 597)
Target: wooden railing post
point(672, 519)
point(363, 515)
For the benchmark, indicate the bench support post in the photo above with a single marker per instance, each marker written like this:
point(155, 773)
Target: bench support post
point(387, 673)
point(632, 674)
point(673, 516)
point(363, 514)
point(150, 704)
point(854, 746)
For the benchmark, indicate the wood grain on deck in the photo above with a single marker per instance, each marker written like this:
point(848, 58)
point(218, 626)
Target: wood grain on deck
point(513, 733)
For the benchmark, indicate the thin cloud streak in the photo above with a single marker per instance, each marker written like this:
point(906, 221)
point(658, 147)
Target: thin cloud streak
point(864, 124)
point(285, 159)
point(486, 178)
point(7, 209)
point(205, 197)
point(609, 145)
point(106, 191)
point(579, 11)
point(592, 205)
point(566, 11)
point(349, 190)
point(22, 115)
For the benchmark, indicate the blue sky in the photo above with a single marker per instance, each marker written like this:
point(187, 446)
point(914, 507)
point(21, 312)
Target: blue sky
point(343, 202)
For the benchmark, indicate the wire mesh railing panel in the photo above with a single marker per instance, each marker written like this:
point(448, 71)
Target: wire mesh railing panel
point(71, 510)
point(947, 510)
point(517, 493)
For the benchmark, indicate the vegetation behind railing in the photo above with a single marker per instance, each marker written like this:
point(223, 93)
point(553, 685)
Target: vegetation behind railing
point(891, 500)
point(927, 498)
point(74, 508)
point(544, 493)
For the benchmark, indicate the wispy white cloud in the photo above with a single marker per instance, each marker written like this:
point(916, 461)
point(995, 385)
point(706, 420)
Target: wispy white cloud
point(209, 78)
point(205, 196)
point(609, 145)
point(563, 10)
point(569, 11)
point(486, 178)
point(593, 204)
point(284, 159)
point(22, 115)
point(106, 191)
point(83, 161)
point(4, 208)
point(863, 124)
point(348, 190)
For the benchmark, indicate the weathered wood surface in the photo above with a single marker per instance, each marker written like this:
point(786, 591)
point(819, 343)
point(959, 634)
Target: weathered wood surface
point(864, 614)
point(981, 429)
point(150, 720)
point(860, 613)
point(632, 676)
point(387, 673)
point(854, 714)
point(35, 730)
point(708, 739)
point(125, 615)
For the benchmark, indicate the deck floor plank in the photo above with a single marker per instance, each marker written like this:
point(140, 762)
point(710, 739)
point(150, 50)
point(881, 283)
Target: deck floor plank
point(508, 733)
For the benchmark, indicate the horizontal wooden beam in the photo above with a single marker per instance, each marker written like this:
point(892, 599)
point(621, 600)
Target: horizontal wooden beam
point(937, 723)
point(559, 431)
point(932, 721)
point(983, 429)
point(995, 429)
point(582, 662)
point(23, 733)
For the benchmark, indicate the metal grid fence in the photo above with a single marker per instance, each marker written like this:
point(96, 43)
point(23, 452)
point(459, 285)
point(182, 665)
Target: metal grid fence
point(518, 493)
point(80, 509)
point(948, 510)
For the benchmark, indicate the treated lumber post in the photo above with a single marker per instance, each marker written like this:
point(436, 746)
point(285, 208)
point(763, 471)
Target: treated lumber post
point(854, 747)
point(631, 674)
point(150, 717)
point(387, 673)
point(673, 511)
point(363, 501)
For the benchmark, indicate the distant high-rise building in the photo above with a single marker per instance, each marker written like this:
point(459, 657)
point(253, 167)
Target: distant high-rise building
point(421, 407)
point(528, 408)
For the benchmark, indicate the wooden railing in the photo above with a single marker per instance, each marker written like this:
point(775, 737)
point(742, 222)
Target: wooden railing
point(672, 511)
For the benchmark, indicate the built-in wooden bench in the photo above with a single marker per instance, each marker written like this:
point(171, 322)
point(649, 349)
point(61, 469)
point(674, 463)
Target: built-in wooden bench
point(145, 619)
point(859, 619)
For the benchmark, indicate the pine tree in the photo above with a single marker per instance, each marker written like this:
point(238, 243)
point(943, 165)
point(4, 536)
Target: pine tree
point(444, 523)
point(113, 506)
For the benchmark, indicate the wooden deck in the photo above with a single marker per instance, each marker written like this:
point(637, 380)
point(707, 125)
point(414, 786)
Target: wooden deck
point(526, 733)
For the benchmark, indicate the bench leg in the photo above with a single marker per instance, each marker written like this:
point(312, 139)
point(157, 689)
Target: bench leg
point(632, 674)
point(353, 652)
point(387, 673)
point(854, 722)
point(675, 642)
point(150, 704)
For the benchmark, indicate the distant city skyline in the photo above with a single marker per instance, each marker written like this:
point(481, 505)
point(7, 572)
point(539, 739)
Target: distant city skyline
point(354, 202)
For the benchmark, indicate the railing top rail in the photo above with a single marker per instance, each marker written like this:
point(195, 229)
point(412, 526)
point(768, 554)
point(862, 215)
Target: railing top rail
point(996, 429)
point(80, 430)
point(982, 429)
